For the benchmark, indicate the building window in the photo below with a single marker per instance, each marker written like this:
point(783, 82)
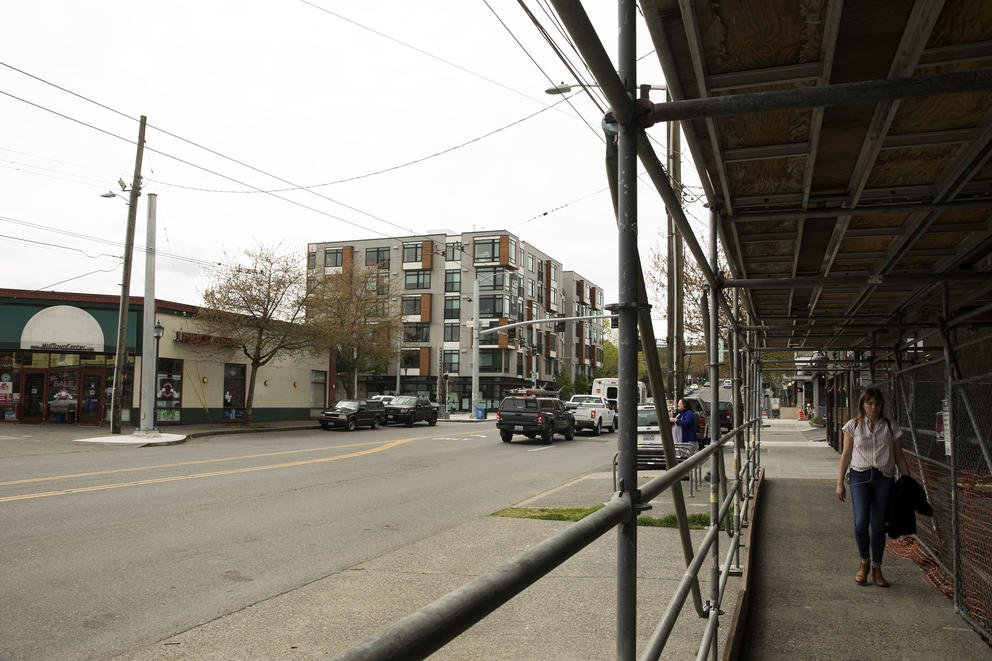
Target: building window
point(452, 307)
point(453, 252)
point(318, 388)
point(554, 296)
point(540, 270)
point(599, 298)
point(530, 262)
point(486, 250)
point(540, 295)
point(453, 280)
point(452, 333)
point(411, 305)
point(530, 288)
point(312, 260)
point(554, 273)
point(411, 360)
point(513, 251)
point(491, 306)
point(416, 332)
point(491, 360)
point(382, 283)
point(490, 279)
point(234, 391)
point(418, 279)
point(413, 252)
point(450, 361)
point(333, 257)
point(378, 256)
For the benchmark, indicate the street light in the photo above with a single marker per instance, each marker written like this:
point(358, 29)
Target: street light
point(565, 88)
point(158, 330)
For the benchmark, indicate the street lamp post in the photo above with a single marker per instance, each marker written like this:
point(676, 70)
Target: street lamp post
point(158, 331)
point(565, 88)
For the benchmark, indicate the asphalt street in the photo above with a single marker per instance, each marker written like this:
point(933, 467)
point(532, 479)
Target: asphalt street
point(108, 549)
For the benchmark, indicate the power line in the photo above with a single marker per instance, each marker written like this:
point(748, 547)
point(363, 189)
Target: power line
point(60, 282)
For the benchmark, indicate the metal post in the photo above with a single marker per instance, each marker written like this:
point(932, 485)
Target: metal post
point(956, 578)
point(627, 359)
point(120, 359)
point(399, 368)
point(148, 372)
point(716, 468)
point(476, 395)
point(738, 437)
point(158, 341)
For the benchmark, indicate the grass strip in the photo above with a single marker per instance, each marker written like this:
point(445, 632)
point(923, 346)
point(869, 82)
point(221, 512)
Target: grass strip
point(697, 521)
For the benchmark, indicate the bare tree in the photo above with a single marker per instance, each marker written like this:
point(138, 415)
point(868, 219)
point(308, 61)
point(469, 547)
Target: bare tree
point(693, 283)
point(357, 313)
point(256, 306)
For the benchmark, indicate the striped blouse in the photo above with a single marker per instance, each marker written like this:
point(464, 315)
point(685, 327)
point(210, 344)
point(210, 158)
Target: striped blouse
point(873, 445)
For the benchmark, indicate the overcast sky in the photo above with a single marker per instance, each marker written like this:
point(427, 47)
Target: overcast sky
point(311, 92)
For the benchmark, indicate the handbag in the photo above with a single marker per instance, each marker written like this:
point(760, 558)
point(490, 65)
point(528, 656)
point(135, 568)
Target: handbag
point(677, 432)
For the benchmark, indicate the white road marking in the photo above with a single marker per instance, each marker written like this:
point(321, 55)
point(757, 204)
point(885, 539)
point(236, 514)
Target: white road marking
point(546, 447)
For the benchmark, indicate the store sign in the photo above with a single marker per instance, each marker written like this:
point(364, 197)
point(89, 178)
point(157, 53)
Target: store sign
point(62, 328)
point(63, 346)
point(199, 338)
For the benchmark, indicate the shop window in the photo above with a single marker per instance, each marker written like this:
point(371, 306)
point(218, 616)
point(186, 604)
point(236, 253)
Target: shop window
point(169, 387)
point(234, 391)
point(128, 396)
point(10, 385)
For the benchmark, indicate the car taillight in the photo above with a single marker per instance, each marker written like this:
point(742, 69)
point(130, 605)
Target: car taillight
point(592, 414)
point(497, 416)
point(540, 418)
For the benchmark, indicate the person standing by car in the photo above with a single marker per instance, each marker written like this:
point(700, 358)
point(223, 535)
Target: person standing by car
point(872, 451)
point(686, 421)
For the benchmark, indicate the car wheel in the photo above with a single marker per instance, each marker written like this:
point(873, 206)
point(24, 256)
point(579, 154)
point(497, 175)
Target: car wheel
point(598, 429)
point(409, 421)
point(375, 422)
point(432, 421)
point(325, 426)
point(613, 425)
point(570, 432)
point(351, 424)
point(506, 436)
point(548, 435)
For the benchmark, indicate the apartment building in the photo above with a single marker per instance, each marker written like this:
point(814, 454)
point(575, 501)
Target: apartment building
point(433, 275)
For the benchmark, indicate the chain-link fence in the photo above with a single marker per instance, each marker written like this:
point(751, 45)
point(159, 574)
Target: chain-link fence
point(944, 407)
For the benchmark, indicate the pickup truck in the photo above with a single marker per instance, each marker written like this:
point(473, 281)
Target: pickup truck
point(533, 417)
point(592, 412)
point(408, 409)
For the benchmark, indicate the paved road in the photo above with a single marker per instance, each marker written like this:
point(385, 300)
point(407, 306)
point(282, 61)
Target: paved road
point(108, 549)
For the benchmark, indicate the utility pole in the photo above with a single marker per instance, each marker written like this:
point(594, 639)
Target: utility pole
point(149, 364)
point(120, 360)
point(678, 351)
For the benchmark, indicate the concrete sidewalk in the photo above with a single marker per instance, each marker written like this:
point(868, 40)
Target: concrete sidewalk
point(169, 434)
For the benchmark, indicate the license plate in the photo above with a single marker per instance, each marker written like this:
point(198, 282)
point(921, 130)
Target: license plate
point(647, 437)
point(518, 428)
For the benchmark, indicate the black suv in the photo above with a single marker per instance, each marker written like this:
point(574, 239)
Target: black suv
point(350, 413)
point(703, 404)
point(534, 416)
point(408, 409)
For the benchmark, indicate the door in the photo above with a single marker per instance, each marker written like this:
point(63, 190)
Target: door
point(33, 396)
point(91, 398)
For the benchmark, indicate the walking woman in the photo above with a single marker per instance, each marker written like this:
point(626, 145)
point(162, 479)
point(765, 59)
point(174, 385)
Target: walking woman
point(872, 451)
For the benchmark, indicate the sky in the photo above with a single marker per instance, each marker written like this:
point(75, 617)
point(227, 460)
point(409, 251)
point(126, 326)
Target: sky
point(381, 119)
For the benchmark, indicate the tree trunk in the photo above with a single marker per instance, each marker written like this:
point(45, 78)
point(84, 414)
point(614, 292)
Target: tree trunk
point(250, 397)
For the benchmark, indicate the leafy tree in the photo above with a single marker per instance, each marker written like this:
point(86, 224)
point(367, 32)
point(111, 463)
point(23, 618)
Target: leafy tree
point(582, 385)
point(258, 308)
point(611, 355)
point(358, 314)
point(563, 382)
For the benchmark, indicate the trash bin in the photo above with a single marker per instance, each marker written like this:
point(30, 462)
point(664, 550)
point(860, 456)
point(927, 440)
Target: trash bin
point(59, 418)
point(480, 412)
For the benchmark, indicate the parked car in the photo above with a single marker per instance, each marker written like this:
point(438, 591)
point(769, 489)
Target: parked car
point(650, 451)
point(533, 417)
point(702, 431)
point(351, 413)
point(408, 409)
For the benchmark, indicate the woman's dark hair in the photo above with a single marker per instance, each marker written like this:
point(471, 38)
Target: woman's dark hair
point(876, 394)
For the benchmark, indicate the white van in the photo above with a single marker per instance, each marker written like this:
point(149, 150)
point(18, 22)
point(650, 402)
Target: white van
point(610, 389)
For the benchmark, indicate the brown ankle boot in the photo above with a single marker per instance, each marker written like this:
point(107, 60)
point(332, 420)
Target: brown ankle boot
point(877, 578)
point(861, 578)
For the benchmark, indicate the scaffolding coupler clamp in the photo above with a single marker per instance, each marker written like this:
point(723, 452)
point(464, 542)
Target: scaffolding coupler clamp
point(709, 606)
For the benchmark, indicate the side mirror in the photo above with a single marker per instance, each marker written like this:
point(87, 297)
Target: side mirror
point(362, 406)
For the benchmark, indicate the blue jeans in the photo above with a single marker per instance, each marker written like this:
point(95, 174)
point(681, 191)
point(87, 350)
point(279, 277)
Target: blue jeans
point(870, 492)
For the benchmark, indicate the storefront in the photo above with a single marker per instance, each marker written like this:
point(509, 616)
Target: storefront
point(57, 367)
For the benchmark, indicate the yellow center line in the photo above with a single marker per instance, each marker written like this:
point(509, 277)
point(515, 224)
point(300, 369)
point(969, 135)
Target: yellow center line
point(184, 463)
point(233, 471)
